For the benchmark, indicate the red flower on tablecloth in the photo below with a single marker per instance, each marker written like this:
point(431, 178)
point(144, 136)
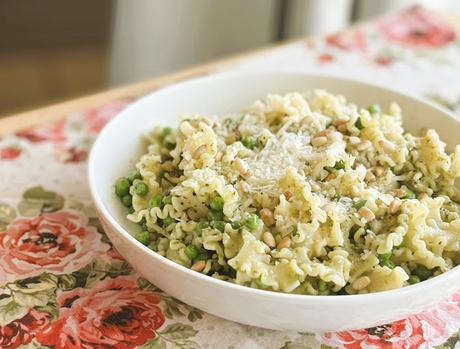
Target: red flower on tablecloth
point(70, 154)
point(113, 253)
point(325, 58)
point(54, 132)
point(417, 27)
point(58, 242)
point(428, 329)
point(22, 331)
point(9, 153)
point(348, 40)
point(403, 334)
point(113, 314)
point(95, 119)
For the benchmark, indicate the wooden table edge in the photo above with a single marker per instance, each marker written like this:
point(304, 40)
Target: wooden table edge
point(10, 124)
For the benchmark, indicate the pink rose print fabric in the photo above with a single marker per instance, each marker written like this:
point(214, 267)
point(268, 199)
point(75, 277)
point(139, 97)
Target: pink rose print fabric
point(62, 283)
point(58, 242)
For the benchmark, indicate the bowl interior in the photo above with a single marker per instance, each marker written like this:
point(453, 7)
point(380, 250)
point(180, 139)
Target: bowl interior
point(118, 146)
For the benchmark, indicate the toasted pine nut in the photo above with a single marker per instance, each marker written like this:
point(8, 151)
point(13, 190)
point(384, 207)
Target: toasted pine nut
point(319, 141)
point(363, 145)
point(395, 206)
point(331, 176)
point(399, 193)
point(244, 187)
point(267, 217)
point(241, 166)
point(422, 196)
point(268, 238)
point(361, 283)
point(285, 242)
point(288, 194)
point(387, 145)
point(354, 140)
point(327, 132)
point(339, 122)
point(378, 171)
point(369, 176)
point(167, 166)
point(366, 213)
point(198, 266)
point(219, 156)
point(342, 128)
point(199, 151)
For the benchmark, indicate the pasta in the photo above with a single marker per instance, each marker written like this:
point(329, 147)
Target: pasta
point(303, 193)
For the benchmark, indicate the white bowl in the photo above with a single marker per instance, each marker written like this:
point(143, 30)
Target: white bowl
point(118, 146)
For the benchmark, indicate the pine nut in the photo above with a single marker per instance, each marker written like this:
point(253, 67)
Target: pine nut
point(354, 191)
point(319, 141)
point(339, 122)
point(366, 213)
point(422, 196)
point(387, 145)
point(198, 266)
point(331, 176)
point(361, 283)
point(327, 132)
point(244, 187)
point(342, 128)
point(199, 151)
point(241, 166)
point(288, 195)
point(399, 193)
point(378, 171)
point(354, 140)
point(369, 176)
point(267, 217)
point(219, 156)
point(285, 242)
point(268, 238)
point(167, 166)
point(395, 206)
point(363, 145)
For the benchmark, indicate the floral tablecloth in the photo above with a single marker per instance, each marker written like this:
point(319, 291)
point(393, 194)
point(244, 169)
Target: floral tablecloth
point(62, 285)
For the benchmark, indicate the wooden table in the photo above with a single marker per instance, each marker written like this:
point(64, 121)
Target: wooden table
point(13, 123)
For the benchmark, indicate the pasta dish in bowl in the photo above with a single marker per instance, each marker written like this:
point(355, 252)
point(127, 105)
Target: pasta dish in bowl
point(306, 193)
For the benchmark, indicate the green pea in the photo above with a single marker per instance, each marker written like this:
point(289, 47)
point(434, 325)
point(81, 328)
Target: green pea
point(127, 200)
point(359, 204)
point(219, 225)
point(122, 187)
point(322, 286)
point(252, 221)
point(413, 279)
point(166, 132)
point(249, 142)
point(134, 175)
point(191, 251)
point(385, 260)
point(155, 201)
point(200, 226)
point(143, 237)
point(217, 203)
point(168, 221)
point(422, 272)
point(339, 165)
point(236, 225)
point(167, 200)
point(410, 194)
point(215, 215)
point(373, 109)
point(153, 246)
point(141, 189)
point(358, 124)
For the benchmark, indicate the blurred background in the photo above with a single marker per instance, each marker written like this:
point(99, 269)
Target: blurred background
point(52, 50)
